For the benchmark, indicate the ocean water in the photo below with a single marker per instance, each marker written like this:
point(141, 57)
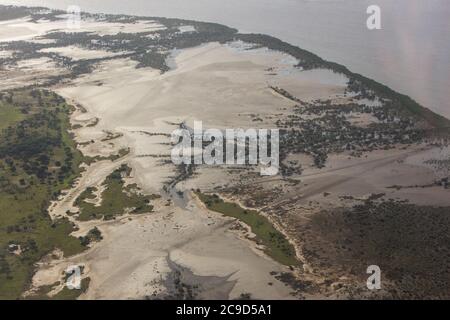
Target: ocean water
point(411, 53)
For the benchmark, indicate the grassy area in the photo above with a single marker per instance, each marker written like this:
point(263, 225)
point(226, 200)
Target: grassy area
point(38, 159)
point(276, 245)
point(9, 115)
point(116, 199)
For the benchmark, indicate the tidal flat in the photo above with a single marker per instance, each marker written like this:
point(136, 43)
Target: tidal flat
point(347, 144)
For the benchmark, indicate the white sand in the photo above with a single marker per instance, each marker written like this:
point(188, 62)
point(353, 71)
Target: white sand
point(224, 86)
point(77, 53)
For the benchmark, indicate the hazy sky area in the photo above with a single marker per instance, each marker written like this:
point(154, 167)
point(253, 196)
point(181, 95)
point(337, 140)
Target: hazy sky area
point(411, 53)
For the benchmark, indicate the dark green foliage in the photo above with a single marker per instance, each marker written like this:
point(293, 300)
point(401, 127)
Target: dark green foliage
point(29, 179)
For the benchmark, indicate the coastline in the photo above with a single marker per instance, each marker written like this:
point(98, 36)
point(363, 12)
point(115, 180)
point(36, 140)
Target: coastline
point(222, 85)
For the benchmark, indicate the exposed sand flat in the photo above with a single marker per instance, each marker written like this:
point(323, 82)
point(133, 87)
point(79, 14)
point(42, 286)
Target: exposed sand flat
point(78, 53)
point(26, 72)
point(312, 84)
point(184, 29)
point(217, 84)
point(222, 86)
point(229, 81)
point(25, 29)
point(103, 28)
point(41, 40)
point(211, 177)
point(131, 260)
point(431, 160)
point(361, 119)
point(125, 116)
point(373, 173)
point(371, 103)
point(194, 239)
point(17, 28)
point(35, 64)
point(207, 85)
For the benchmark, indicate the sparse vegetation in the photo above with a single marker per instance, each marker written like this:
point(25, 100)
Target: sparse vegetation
point(410, 243)
point(275, 243)
point(93, 235)
point(116, 199)
point(120, 154)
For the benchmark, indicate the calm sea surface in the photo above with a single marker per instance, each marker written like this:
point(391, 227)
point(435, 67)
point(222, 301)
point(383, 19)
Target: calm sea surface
point(411, 53)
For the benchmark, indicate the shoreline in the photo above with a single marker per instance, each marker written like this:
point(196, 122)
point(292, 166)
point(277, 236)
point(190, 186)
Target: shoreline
point(227, 84)
point(311, 58)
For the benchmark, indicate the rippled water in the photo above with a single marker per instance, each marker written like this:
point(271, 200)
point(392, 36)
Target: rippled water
point(411, 53)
